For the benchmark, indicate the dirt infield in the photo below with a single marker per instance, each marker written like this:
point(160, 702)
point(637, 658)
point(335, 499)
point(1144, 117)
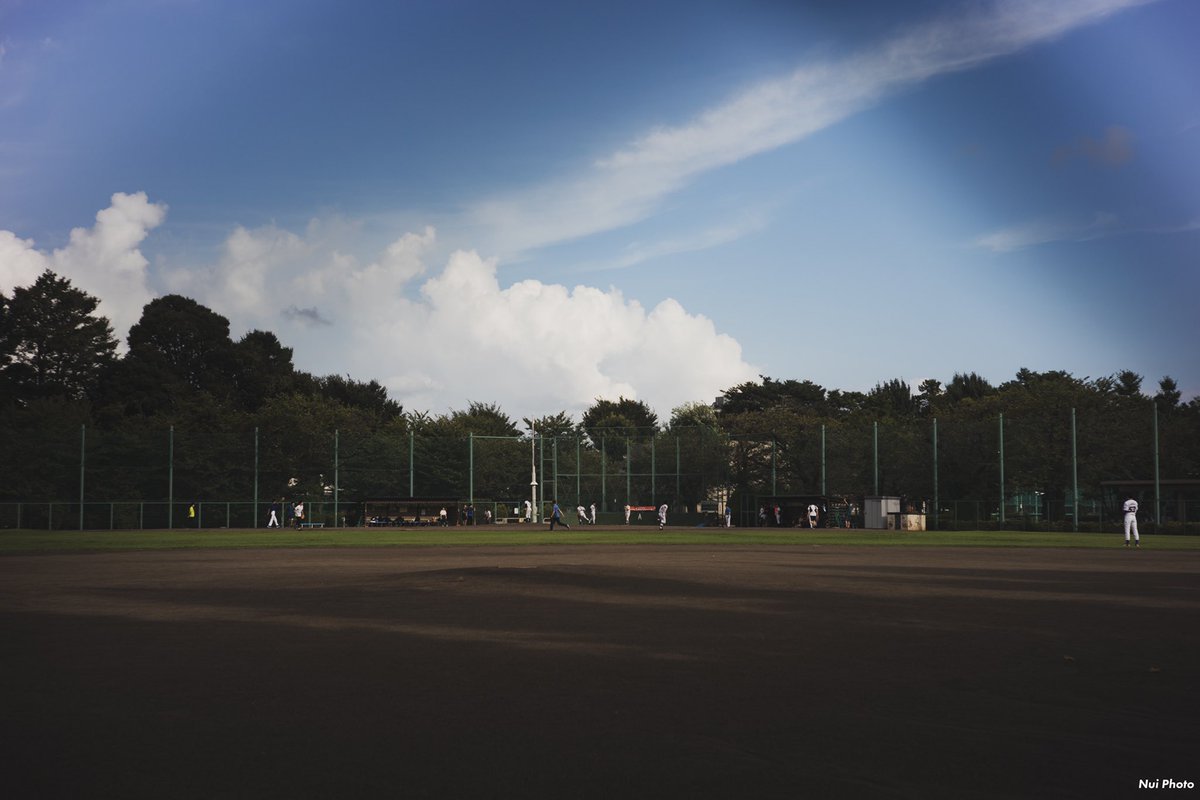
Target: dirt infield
point(600, 672)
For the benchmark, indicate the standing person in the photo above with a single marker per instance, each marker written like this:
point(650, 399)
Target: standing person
point(778, 516)
point(443, 518)
point(762, 517)
point(556, 516)
point(1130, 508)
point(581, 515)
point(628, 509)
point(812, 515)
point(487, 516)
point(298, 514)
point(273, 520)
point(662, 516)
point(593, 513)
point(728, 516)
point(528, 511)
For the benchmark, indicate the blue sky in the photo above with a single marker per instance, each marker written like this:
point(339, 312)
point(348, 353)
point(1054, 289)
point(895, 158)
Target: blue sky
point(538, 204)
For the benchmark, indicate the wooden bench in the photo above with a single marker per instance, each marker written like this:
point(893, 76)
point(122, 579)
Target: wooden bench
point(312, 524)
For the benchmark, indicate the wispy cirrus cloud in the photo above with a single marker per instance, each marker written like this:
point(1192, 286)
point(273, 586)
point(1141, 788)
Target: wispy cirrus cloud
point(1102, 225)
point(630, 184)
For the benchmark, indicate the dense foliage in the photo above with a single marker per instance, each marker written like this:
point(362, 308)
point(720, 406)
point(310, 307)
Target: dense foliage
point(228, 415)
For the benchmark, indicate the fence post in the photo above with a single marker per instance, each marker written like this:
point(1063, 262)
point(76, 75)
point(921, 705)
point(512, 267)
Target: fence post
point(1074, 476)
point(82, 456)
point(822, 460)
point(336, 485)
point(410, 463)
point(1157, 497)
point(935, 475)
point(653, 474)
point(171, 478)
point(1001, 467)
point(628, 470)
point(875, 451)
point(255, 481)
point(471, 463)
point(774, 492)
point(603, 468)
point(578, 470)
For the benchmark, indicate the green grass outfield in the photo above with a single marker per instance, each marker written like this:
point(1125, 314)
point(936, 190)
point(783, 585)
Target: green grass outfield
point(32, 541)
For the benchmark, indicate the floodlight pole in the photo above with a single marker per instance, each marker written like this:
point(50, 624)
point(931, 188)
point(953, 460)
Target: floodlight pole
point(533, 471)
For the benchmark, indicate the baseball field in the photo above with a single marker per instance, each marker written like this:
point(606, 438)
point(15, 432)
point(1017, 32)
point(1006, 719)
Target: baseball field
point(597, 664)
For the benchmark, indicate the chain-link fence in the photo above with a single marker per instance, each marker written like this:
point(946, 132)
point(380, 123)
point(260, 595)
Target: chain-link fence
point(1064, 470)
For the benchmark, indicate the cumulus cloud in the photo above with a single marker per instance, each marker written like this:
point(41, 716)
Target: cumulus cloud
point(104, 260)
point(630, 184)
point(436, 340)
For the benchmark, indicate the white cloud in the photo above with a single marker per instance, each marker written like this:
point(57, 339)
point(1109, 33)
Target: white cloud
point(103, 260)
point(630, 184)
point(457, 335)
point(1102, 225)
point(1030, 234)
point(20, 262)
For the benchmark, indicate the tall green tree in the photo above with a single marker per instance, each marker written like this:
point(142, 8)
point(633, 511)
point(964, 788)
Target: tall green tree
point(52, 343)
point(263, 369)
point(185, 343)
point(619, 419)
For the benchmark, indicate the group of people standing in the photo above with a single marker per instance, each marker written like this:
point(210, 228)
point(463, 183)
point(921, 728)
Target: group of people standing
point(279, 514)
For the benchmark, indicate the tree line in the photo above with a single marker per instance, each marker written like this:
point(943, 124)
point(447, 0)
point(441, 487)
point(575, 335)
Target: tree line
point(239, 411)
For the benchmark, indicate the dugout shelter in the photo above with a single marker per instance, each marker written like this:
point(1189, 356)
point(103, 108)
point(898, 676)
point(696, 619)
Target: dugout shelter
point(385, 512)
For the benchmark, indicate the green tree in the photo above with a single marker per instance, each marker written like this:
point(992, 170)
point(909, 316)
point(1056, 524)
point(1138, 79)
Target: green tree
point(369, 395)
point(892, 398)
point(52, 344)
point(263, 369)
point(968, 386)
point(622, 418)
point(184, 344)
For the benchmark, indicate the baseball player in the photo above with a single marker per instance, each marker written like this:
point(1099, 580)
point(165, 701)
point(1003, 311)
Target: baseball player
point(581, 515)
point(1130, 508)
point(593, 513)
point(662, 516)
point(556, 517)
point(628, 509)
point(812, 515)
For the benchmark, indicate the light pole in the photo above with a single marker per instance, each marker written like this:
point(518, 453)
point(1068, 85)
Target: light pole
point(533, 471)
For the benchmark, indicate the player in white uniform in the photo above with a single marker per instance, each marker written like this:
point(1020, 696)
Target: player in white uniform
point(812, 515)
point(1130, 508)
point(662, 516)
point(593, 513)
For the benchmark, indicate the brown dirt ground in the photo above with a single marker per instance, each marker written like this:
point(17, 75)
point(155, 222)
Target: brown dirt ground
point(577, 671)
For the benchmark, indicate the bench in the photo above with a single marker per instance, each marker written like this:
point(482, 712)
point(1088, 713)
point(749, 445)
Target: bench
point(312, 524)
